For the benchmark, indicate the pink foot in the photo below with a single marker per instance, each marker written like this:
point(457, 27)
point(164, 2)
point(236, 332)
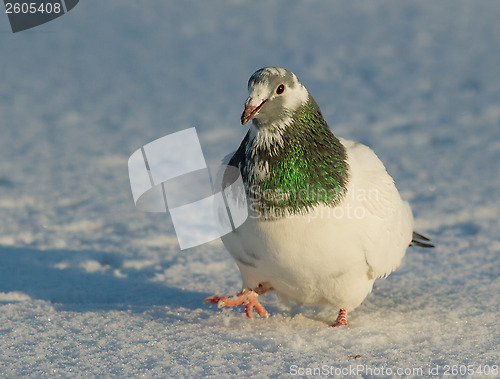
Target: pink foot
point(341, 318)
point(247, 297)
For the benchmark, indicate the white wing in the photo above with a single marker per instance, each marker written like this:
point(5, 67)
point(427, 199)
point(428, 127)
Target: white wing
point(387, 220)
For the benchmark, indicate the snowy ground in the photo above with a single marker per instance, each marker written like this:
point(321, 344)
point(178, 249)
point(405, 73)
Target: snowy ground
point(91, 286)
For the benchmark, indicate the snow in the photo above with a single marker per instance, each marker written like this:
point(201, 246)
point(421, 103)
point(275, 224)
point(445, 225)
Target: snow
point(90, 286)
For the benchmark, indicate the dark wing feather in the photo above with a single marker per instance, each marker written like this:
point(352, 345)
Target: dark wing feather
point(420, 240)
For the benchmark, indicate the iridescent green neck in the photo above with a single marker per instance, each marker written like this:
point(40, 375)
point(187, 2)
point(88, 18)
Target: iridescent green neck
point(308, 169)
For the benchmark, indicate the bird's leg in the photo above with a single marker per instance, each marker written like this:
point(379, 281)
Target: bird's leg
point(341, 318)
point(247, 297)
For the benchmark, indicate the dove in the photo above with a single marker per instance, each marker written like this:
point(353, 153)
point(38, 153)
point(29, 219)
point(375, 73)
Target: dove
point(325, 219)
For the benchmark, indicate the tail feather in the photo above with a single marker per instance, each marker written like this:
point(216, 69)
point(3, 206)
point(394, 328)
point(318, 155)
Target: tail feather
point(420, 240)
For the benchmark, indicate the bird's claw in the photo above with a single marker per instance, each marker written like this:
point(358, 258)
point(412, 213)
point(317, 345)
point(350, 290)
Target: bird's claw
point(212, 299)
point(248, 298)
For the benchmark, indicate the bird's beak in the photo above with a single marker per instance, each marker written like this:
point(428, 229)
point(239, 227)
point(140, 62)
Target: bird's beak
point(252, 106)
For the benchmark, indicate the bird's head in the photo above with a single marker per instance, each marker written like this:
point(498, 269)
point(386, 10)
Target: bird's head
point(274, 95)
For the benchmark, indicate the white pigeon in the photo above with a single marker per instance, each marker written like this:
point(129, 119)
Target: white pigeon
point(325, 218)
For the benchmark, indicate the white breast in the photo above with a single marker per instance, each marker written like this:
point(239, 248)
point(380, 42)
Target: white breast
point(330, 255)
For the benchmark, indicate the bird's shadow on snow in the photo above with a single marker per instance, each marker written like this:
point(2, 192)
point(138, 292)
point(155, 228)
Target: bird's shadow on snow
point(88, 280)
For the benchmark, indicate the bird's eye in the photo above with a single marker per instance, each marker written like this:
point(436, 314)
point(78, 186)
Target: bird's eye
point(280, 89)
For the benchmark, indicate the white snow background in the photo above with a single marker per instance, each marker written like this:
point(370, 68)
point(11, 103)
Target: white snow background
point(90, 286)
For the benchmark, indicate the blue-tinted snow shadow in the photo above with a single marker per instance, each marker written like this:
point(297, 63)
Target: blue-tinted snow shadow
point(51, 275)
